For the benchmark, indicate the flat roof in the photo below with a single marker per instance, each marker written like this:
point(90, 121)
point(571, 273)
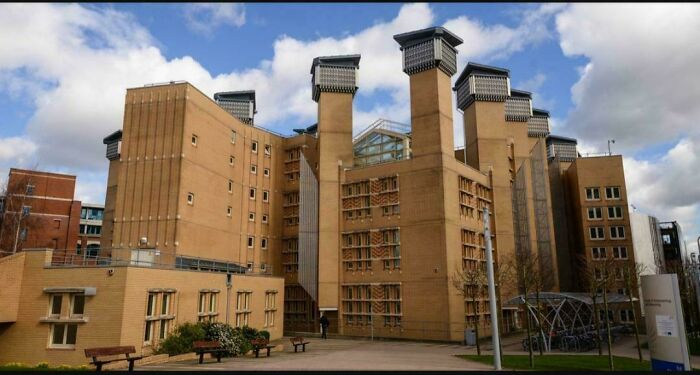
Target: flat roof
point(561, 138)
point(474, 68)
point(413, 37)
point(520, 93)
point(540, 112)
point(117, 135)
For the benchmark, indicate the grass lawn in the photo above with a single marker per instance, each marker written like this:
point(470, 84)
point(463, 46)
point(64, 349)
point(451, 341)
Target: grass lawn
point(22, 367)
point(564, 362)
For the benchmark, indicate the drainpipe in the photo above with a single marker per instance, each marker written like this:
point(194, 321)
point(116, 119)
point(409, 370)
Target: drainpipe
point(228, 294)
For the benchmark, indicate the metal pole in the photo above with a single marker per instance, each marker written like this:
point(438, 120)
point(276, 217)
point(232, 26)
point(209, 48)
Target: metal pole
point(492, 293)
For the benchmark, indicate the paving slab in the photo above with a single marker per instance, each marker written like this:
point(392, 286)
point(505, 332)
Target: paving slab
point(341, 354)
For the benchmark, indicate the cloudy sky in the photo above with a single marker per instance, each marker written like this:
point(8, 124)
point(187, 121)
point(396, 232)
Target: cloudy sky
point(605, 71)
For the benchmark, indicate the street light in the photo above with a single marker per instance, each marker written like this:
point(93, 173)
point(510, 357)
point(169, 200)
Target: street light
point(609, 142)
point(492, 292)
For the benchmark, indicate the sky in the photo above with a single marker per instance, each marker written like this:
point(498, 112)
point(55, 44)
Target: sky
point(626, 72)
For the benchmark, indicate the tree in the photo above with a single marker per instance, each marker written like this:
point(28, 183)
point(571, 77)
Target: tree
point(632, 271)
point(591, 285)
point(526, 269)
point(14, 219)
point(470, 282)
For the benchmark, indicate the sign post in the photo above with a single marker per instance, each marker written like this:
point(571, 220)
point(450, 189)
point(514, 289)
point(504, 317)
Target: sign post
point(665, 325)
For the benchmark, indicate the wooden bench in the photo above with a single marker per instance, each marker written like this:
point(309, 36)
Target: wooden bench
point(111, 351)
point(259, 344)
point(213, 347)
point(298, 341)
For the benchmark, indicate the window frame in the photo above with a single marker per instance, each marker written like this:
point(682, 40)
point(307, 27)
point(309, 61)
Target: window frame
point(598, 231)
point(595, 210)
point(266, 196)
point(252, 193)
point(616, 209)
point(190, 198)
point(618, 229)
point(593, 189)
point(194, 140)
point(64, 342)
point(612, 196)
point(254, 147)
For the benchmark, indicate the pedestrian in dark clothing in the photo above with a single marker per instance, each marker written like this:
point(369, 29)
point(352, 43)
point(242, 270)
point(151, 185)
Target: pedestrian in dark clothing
point(324, 327)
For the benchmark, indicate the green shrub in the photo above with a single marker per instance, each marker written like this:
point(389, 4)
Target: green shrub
point(264, 334)
point(181, 339)
point(231, 339)
point(42, 365)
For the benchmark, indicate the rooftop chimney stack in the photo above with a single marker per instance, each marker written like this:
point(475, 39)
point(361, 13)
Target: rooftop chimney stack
point(333, 86)
point(240, 104)
point(430, 59)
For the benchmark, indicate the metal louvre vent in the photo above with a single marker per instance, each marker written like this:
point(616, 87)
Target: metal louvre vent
point(538, 126)
point(447, 57)
point(518, 109)
point(481, 87)
point(419, 57)
point(565, 151)
point(114, 150)
point(333, 79)
point(240, 109)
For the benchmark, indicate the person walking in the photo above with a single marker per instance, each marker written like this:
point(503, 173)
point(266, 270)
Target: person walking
point(324, 326)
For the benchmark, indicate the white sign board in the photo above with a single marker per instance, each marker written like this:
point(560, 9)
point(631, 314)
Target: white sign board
point(664, 321)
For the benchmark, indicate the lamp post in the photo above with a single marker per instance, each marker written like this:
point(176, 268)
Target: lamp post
point(492, 292)
point(609, 142)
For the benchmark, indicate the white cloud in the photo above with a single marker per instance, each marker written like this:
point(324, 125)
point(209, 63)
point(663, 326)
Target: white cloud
point(204, 18)
point(16, 149)
point(640, 88)
point(76, 63)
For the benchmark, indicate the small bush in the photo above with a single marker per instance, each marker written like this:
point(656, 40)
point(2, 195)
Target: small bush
point(264, 334)
point(42, 365)
point(231, 339)
point(182, 339)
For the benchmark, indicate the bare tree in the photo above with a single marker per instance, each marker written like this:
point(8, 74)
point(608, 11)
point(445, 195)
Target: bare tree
point(470, 283)
point(604, 273)
point(525, 268)
point(15, 221)
point(591, 285)
point(632, 271)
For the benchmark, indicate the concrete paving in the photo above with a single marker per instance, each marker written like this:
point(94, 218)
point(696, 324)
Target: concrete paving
point(341, 354)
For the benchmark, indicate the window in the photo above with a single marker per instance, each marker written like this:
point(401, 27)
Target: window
point(250, 266)
point(251, 216)
point(194, 140)
point(207, 311)
point(202, 302)
point(229, 211)
point(612, 192)
point(264, 219)
point(596, 233)
point(243, 308)
point(253, 169)
point(615, 213)
point(266, 196)
point(592, 194)
point(252, 193)
point(618, 274)
point(230, 186)
point(626, 315)
point(598, 253)
point(622, 291)
point(212, 303)
point(233, 136)
point(77, 306)
point(266, 172)
point(270, 308)
point(263, 243)
point(254, 146)
point(158, 317)
point(63, 335)
point(617, 232)
point(595, 213)
point(263, 267)
point(231, 160)
point(620, 252)
point(598, 274)
point(30, 189)
point(56, 301)
point(26, 210)
point(251, 242)
point(190, 198)
point(268, 149)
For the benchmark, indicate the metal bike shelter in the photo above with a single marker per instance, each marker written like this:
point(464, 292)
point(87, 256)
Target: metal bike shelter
point(563, 310)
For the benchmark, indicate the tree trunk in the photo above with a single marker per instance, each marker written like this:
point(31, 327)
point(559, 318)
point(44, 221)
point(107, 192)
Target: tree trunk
point(596, 320)
point(538, 314)
point(476, 326)
point(501, 323)
point(607, 327)
point(636, 330)
point(529, 336)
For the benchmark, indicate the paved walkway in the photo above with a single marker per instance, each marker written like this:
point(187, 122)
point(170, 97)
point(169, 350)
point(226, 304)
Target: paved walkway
point(341, 354)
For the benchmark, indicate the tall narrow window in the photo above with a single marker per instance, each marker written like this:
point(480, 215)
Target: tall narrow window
point(254, 146)
point(233, 136)
point(263, 243)
point(252, 193)
point(266, 196)
point(77, 305)
point(231, 159)
point(253, 169)
point(230, 186)
point(268, 149)
point(264, 219)
point(229, 211)
point(266, 172)
point(194, 140)
point(251, 242)
point(55, 307)
point(190, 198)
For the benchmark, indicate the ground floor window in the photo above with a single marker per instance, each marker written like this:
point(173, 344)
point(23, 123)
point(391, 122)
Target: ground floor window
point(63, 335)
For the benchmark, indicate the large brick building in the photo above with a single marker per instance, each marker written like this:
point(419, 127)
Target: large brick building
point(367, 231)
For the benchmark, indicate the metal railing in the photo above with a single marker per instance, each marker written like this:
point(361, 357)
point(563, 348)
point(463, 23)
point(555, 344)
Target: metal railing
point(148, 257)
